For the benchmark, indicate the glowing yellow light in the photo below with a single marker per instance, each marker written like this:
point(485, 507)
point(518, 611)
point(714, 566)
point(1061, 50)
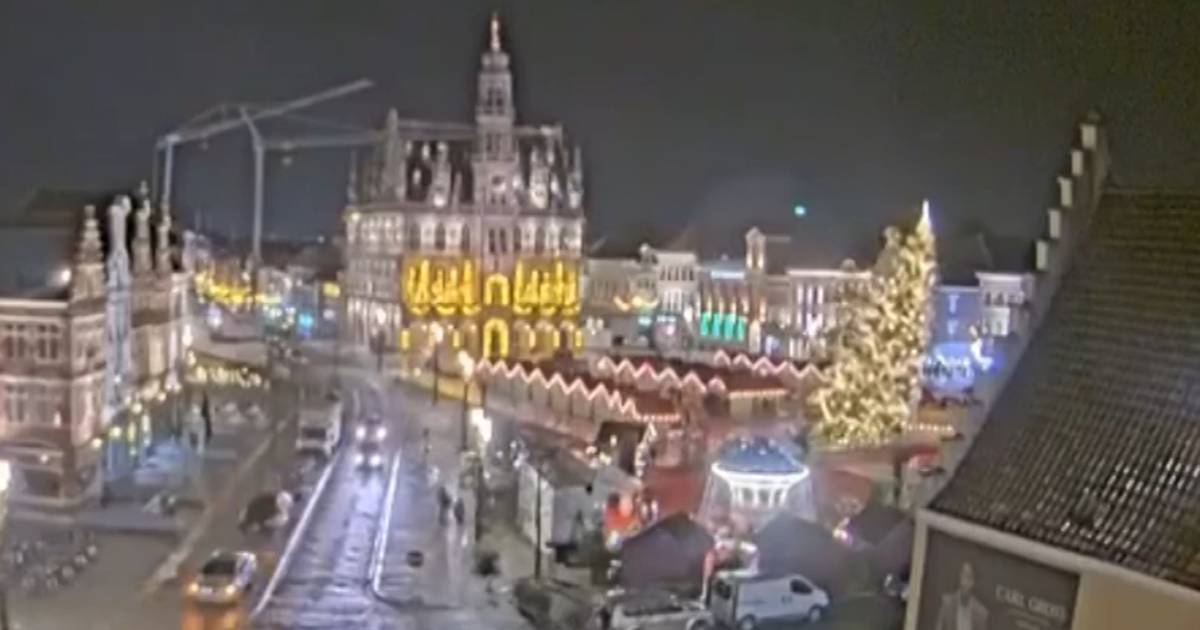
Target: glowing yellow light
point(495, 338)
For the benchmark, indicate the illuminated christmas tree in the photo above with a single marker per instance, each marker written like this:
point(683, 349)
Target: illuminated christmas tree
point(878, 344)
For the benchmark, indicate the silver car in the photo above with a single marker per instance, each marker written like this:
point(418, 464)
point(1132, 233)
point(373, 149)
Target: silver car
point(224, 578)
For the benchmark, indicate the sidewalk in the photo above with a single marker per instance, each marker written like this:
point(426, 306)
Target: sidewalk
point(136, 544)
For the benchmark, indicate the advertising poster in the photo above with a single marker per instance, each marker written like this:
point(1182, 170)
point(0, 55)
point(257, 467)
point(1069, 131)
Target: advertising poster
point(967, 586)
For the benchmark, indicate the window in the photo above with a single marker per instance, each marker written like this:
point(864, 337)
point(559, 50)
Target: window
point(491, 242)
point(953, 303)
point(414, 236)
point(539, 240)
point(439, 238)
point(800, 587)
point(503, 241)
point(465, 240)
point(518, 241)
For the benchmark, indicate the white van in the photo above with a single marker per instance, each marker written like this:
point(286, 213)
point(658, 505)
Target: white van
point(743, 599)
point(651, 610)
point(320, 427)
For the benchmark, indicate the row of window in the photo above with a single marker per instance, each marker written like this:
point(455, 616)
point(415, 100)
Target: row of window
point(31, 403)
point(677, 274)
point(40, 343)
point(440, 239)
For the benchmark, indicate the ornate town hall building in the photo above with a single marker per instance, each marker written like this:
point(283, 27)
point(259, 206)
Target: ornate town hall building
point(467, 236)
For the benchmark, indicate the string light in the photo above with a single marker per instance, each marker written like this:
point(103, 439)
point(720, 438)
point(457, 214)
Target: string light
point(869, 395)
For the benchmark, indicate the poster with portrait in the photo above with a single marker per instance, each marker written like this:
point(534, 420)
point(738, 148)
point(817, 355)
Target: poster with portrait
point(967, 586)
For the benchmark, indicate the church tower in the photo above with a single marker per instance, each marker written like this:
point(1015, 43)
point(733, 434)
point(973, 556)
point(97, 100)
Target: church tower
point(497, 168)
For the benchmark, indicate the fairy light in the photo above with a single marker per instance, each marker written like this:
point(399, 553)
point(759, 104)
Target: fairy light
point(878, 344)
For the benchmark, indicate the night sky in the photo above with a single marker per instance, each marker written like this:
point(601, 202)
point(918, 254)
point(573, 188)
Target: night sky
point(716, 114)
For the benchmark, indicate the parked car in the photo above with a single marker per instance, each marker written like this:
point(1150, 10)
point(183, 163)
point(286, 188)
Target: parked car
point(653, 610)
point(224, 578)
point(744, 599)
point(554, 604)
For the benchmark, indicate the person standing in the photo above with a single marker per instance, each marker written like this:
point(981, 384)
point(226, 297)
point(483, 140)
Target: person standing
point(208, 425)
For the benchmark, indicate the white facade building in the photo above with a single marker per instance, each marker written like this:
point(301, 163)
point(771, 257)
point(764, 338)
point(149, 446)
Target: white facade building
point(83, 331)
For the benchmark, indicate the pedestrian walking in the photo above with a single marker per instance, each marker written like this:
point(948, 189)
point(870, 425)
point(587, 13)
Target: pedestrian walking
point(459, 511)
point(208, 425)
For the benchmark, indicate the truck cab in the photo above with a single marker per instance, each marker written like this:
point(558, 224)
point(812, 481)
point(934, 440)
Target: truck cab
point(320, 426)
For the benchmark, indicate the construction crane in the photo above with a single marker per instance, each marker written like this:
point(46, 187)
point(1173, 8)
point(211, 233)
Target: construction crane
point(229, 119)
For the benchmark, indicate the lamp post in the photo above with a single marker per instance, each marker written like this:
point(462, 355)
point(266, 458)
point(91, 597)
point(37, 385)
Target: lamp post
point(537, 519)
point(535, 457)
point(468, 373)
point(438, 334)
point(380, 318)
point(5, 478)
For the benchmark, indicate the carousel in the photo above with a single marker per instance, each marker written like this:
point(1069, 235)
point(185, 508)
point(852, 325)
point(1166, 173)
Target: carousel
point(751, 480)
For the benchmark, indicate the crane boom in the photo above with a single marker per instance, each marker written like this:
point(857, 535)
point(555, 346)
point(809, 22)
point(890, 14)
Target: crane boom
point(416, 129)
point(187, 134)
point(169, 141)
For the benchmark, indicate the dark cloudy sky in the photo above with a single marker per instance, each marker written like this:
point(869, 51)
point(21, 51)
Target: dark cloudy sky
point(721, 113)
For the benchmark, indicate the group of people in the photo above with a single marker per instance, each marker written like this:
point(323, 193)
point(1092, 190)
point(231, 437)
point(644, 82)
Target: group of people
point(447, 504)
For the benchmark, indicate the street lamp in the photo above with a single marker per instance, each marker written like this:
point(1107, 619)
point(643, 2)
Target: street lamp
point(380, 318)
point(438, 334)
point(468, 373)
point(5, 480)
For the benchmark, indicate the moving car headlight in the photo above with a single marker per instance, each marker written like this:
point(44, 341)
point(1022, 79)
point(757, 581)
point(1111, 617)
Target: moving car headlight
point(358, 459)
point(229, 591)
point(376, 459)
point(360, 433)
point(193, 588)
point(380, 433)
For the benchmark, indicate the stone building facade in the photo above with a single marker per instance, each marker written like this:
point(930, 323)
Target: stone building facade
point(467, 236)
point(87, 333)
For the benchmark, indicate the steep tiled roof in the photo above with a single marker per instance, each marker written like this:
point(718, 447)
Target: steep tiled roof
point(1094, 446)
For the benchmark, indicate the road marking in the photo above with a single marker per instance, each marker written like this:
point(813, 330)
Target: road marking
point(375, 570)
point(297, 533)
point(169, 568)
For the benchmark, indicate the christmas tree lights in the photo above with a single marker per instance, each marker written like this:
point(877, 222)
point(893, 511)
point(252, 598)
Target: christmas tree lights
point(878, 342)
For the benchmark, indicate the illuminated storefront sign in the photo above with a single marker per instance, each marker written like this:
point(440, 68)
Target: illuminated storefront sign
point(725, 326)
point(548, 291)
point(451, 287)
point(985, 587)
point(445, 287)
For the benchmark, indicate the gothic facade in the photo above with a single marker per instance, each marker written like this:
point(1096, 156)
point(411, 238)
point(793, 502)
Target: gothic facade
point(467, 236)
point(87, 331)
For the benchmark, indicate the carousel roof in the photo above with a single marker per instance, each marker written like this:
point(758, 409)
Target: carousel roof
point(759, 455)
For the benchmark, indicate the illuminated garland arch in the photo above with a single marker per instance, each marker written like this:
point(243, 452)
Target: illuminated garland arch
point(496, 283)
point(495, 338)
